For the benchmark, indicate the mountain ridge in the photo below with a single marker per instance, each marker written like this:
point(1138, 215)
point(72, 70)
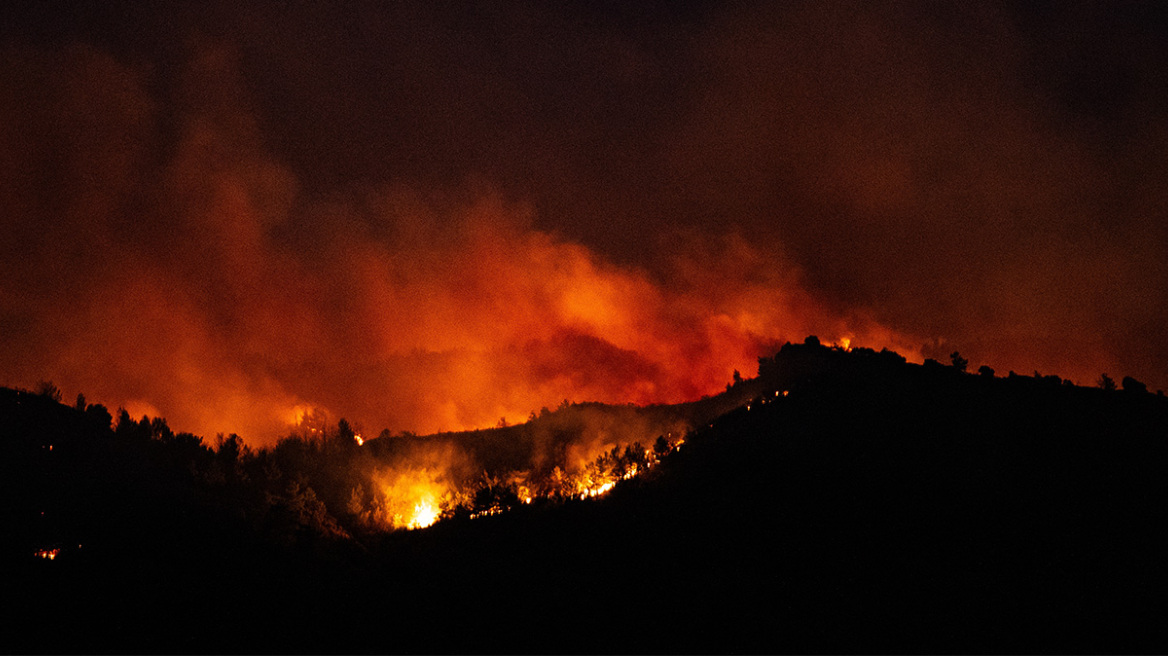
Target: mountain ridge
point(855, 503)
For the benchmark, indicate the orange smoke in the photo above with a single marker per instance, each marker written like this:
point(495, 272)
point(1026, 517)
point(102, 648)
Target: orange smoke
point(204, 285)
point(411, 499)
point(423, 486)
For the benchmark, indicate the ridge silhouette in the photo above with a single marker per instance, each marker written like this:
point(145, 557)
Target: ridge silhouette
point(850, 501)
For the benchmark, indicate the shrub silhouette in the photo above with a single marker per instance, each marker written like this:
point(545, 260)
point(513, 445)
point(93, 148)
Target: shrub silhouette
point(47, 389)
point(1132, 385)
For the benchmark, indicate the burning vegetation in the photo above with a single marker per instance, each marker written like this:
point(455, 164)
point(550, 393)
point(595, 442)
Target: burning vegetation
point(328, 480)
point(826, 431)
point(405, 482)
point(47, 554)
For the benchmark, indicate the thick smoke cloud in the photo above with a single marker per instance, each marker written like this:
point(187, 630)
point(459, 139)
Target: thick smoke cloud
point(178, 269)
point(953, 172)
point(425, 219)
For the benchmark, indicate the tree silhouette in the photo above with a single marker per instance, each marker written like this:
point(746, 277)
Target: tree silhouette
point(99, 415)
point(1105, 382)
point(127, 428)
point(959, 363)
point(47, 389)
point(231, 448)
point(159, 430)
point(661, 446)
point(346, 435)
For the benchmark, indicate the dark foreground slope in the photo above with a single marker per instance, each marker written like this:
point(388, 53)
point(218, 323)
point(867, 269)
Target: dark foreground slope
point(878, 507)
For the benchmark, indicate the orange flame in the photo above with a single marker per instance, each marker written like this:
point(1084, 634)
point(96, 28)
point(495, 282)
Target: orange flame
point(411, 498)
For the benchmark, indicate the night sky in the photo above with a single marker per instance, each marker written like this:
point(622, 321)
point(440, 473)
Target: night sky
point(425, 216)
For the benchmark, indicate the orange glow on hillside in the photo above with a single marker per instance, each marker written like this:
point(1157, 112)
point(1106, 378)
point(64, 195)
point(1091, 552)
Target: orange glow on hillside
point(432, 484)
point(410, 498)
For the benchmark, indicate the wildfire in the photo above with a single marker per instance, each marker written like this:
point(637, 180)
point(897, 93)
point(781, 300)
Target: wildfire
point(493, 510)
point(425, 514)
point(410, 499)
point(595, 491)
point(418, 498)
point(307, 420)
point(48, 554)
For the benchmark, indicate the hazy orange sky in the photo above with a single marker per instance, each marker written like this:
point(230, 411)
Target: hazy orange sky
point(422, 217)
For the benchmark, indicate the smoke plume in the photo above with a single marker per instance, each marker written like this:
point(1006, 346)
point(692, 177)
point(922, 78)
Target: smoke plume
point(428, 218)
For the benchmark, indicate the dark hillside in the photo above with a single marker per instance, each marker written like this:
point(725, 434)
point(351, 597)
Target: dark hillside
point(878, 506)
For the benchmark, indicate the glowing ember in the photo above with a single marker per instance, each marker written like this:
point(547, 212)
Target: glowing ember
point(493, 510)
point(48, 554)
point(360, 440)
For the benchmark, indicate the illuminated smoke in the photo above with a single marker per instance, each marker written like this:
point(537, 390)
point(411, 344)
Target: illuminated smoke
point(205, 287)
point(413, 493)
point(235, 234)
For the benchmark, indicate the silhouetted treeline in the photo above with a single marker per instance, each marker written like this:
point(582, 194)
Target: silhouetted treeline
point(841, 501)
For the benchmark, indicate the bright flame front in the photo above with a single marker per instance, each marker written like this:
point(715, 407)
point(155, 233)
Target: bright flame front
point(425, 514)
